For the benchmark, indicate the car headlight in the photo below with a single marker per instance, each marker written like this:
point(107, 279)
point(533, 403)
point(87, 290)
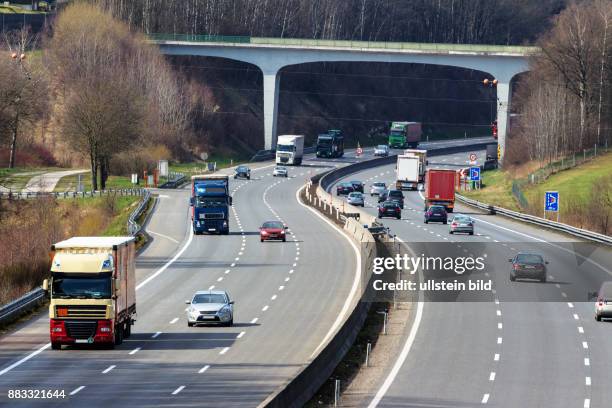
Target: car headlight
point(225, 309)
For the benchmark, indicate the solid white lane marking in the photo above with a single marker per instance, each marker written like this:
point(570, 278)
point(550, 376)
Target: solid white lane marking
point(174, 320)
point(242, 333)
point(26, 358)
point(492, 376)
point(485, 398)
point(136, 350)
point(108, 369)
point(225, 350)
point(163, 236)
point(73, 392)
point(254, 320)
point(179, 389)
point(156, 335)
point(203, 369)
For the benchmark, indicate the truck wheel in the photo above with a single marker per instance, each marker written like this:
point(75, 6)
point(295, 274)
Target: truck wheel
point(118, 335)
point(56, 346)
point(128, 329)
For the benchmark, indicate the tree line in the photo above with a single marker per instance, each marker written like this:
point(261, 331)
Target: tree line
point(443, 21)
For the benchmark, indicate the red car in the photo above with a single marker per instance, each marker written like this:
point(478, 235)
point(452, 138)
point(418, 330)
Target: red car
point(272, 230)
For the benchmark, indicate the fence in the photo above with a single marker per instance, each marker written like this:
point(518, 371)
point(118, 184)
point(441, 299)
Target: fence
point(72, 194)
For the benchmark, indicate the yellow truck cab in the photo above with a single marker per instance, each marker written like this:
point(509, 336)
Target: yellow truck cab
point(92, 291)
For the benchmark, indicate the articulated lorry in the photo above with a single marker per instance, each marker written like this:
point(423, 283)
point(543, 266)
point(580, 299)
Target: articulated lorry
point(422, 155)
point(405, 135)
point(491, 157)
point(408, 172)
point(440, 188)
point(330, 144)
point(92, 290)
point(290, 149)
point(210, 202)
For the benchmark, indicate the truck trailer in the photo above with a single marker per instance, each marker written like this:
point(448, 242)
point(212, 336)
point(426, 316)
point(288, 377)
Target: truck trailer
point(92, 291)
point(407, 172)
point(440, 188)
point(330, 144)
point(210, 202)
point(405, 135)
point(422, 155)
point(290, 149)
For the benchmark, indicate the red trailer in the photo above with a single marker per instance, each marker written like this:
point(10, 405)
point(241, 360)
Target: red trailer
point(440, 188)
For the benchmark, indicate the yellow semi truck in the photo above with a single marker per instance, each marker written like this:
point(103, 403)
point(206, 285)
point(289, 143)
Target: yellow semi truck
point(92, 291)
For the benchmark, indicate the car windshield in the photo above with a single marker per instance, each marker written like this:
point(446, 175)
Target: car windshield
point(355, 195)
point(209, 298)
point(242, 169)
point(396, 193)
point(379, 185)
point(94, 287)
point(390, 205)
point(381, 147)
point(273, 224)
point(281, 169)
point(436, 208)
point(461, 219)
point(210, 201)
point(357, 183)
point(529, 259)
point(346, 185)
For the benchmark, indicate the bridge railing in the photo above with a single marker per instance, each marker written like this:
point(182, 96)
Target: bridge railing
point(200, 38)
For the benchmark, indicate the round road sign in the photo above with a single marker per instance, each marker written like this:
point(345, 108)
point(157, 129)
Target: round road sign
point(473, 157)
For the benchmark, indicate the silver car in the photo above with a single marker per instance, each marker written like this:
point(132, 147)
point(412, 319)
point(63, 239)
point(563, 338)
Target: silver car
point(377, 188)
point(356, 198)
point(210, 306)
point(381, 150)
point(280, 171)
point(462, 223)
point(603, 305)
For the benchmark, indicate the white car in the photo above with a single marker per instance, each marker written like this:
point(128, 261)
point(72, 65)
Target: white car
point(280, 171)
point(381, 150)
point(210, 306)
point(377, 188)
point(603, 305)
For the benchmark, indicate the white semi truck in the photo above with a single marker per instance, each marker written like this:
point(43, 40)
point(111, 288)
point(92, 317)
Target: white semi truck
point(408, 172)
point(290, 149)
point(422, 155)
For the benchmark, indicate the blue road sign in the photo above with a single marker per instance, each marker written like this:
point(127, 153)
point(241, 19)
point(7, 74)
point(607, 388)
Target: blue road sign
point(475, 173)
point(551, 201)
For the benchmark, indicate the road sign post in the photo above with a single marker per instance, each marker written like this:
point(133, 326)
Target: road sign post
point(551, 202)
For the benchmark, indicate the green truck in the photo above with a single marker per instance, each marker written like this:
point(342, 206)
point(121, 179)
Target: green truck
point(405, 135)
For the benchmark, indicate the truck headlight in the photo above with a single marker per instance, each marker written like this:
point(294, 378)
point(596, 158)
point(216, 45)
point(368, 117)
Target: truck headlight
point(225, 223)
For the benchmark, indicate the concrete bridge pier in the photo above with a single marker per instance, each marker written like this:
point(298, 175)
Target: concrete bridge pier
point(504, 94)
point(271, 79)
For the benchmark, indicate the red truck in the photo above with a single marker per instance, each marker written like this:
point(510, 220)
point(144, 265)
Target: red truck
point(440, 188)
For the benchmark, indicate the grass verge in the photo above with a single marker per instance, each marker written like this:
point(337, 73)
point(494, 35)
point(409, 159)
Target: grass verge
point(69, 183)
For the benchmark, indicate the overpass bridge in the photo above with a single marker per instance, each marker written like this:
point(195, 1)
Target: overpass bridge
point(273, 54)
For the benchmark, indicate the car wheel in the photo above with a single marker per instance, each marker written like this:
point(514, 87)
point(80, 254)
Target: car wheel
point(450, 232)
point(56, 346)
point(284, 239)
point(399, 217)
point(189, 324)
point(471, 232)
point(543, 279)
point(426, 222)
point(230, 323)
point(261, 240)
point(598, 317)
point(444, 222)
point(512, 278)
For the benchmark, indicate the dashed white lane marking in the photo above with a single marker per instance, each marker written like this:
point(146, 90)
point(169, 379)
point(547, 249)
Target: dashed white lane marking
point(233, 264)
point(108, 369)
point(179, 389)
point(136, 350)
point(587, 381)
point(281, 287)
point(220, 278)
point(225, 350)
point(26, 358)
point(203, 369)
point(499, 340)
point(174, 320)
point(492, 376)
point(587, 403)
point(211, 287)
point(580, 329)
point(287, 279)
point(254, 320)
point(585, 345)
point(587, 362)
point(242, 333)
point(291, 271)
point(496, 357)
point(156, 335)
point(163, 236)
point(265, 308)
point(227, 271)
point(273, 297)
point(498, 312)
point(570, 305)
point(576, 316)
point(76, 390)
point(485, 398)
point(499, 326)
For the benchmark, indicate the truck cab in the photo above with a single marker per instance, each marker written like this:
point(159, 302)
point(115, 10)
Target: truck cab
point(330, 144)
point(210, 202)
point(404, 135)
point(290, 150)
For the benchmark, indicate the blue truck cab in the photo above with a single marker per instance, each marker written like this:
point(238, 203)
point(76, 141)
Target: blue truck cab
point(210, 202)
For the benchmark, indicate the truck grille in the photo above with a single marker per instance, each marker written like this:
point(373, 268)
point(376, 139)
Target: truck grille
point(81, 311)
point(81, 329)
point(214, 216)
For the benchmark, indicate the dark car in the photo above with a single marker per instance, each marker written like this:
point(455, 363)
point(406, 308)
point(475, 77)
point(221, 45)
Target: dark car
point(358, 186)
point(436, 213)
point(389, 209)
point(344, 188)
point(392, 195)
point(528, 265)
point(243, 172)
point(272, 230)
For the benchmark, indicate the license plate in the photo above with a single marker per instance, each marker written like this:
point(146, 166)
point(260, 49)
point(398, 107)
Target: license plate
point(212, 229)
point(529, 267)
point(84, 341)
point(207, 317)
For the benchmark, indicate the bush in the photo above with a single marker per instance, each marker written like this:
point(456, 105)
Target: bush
point(137, 161)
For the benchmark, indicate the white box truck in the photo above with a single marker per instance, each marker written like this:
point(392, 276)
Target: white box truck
point(290, 149)
point(422, 155)
point(408, 173)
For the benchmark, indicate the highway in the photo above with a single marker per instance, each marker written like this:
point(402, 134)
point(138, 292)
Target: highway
point(524, 344)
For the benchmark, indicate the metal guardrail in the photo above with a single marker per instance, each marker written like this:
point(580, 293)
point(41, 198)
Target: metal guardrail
point(174, 180)
point(579, 232)
point(16, 308)
point(72, 194)
point(133, 227)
